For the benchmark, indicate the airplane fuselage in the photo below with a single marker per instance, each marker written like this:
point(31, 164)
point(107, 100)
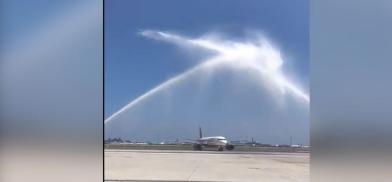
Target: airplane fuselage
point(213, 141)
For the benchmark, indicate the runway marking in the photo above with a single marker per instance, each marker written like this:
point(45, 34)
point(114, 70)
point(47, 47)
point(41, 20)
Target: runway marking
point(212, 152)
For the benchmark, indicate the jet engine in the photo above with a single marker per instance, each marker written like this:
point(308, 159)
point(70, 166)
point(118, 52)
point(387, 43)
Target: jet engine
point(229, 147)
point(197, 147)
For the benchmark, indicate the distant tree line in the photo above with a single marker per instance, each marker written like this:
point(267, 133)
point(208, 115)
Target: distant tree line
point(116, 140)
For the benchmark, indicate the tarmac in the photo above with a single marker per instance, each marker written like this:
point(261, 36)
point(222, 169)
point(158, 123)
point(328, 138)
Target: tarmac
point(170, 165)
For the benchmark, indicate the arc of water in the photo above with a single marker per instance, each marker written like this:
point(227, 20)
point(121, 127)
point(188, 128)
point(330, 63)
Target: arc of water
point(224, 53)
point(180, 40)
point(167, 84)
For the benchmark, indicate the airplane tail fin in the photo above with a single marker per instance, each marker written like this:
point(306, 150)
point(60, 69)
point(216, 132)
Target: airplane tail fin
point(200, 133)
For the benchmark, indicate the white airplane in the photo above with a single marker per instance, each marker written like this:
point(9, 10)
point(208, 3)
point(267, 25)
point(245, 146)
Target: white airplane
point(215, 141)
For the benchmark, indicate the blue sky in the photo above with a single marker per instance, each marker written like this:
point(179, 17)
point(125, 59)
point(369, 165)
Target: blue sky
point(22, 15)
point(134, 64)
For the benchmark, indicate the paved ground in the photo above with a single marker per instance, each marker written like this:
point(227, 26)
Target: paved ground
point(155, 165)
point(182, 147)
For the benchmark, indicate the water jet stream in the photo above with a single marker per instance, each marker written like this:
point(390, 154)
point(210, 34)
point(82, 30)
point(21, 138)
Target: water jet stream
point(261, 57)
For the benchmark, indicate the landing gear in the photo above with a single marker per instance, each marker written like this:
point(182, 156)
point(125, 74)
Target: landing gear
point(229, 147)
point(197, 147)
point(220, 148)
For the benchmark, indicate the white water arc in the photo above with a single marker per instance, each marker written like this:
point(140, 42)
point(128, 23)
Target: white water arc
point(260, 56)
